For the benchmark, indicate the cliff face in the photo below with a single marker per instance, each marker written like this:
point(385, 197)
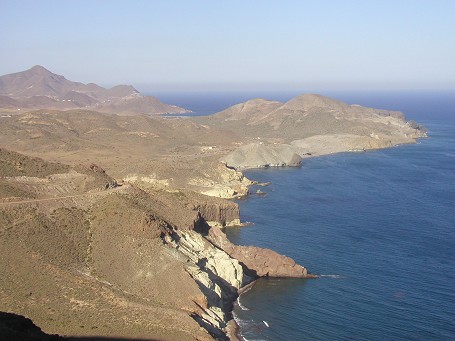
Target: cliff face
point(256, 261)
point(259, 155)
point(221, 268)
point(123, 254)
point(220, 214)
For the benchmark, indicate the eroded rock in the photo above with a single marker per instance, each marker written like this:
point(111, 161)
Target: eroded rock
point(258, 262)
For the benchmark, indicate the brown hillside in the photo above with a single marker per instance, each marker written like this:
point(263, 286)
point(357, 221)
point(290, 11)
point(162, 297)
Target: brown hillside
point(38, 88)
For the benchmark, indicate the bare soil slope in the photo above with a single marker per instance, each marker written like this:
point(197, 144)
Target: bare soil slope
point(95, 263)
point(304, 116)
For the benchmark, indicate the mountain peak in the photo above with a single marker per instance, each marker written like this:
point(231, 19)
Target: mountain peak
point(31, 87)
point(38, 69)
point(307, 101)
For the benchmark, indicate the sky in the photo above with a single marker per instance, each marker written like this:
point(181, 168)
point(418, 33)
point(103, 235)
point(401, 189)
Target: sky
point(204, 45)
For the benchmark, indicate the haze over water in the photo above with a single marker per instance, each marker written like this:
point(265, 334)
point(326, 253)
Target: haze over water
point(378, 226)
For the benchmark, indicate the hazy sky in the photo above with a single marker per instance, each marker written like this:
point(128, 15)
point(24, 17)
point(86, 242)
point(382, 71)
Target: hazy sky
point(246, 44)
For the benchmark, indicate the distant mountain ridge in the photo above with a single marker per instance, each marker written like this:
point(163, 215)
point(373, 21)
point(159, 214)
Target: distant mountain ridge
point(39, 88)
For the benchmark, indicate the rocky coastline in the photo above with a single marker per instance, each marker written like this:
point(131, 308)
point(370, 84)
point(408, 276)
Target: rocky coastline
point(138, 237)
point(258, 262)
point(223, 270)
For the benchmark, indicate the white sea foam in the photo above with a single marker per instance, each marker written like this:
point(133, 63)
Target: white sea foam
point(243, 325)
point(240, 304)
point(332, 276)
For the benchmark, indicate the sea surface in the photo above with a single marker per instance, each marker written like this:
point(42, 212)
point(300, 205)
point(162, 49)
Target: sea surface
point(378, 227)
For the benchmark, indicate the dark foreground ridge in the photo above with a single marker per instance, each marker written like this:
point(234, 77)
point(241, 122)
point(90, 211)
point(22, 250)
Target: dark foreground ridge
point(18, 327)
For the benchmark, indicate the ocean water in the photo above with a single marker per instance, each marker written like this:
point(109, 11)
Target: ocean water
point(378, 227)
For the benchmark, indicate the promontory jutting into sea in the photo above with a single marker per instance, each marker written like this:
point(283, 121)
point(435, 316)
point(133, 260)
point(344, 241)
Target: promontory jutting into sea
point(377, 227)
point(111, 211)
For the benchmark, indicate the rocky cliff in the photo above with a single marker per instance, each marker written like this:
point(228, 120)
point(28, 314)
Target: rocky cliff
point(260, 155)
point(78, 252)
point(219, 214)
point(221, 268)
point(256, 261)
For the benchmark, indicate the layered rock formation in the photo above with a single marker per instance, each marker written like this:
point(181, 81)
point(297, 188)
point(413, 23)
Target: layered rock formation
point(221, 268)
point(258, 262)
point(78, 252)
point(219, 214)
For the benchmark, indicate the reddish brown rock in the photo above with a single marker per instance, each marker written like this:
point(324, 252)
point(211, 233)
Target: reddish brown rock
point(258, 262)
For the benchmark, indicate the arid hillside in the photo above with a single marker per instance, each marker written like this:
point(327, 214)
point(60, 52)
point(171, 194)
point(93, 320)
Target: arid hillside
point(281, 133)
point(112, 225)
point(82, 255)
point(38, 88)
point(307, 115)
point(170, 153)
point(93, 262)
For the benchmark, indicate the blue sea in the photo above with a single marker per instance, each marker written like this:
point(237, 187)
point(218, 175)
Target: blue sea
point(378, 227)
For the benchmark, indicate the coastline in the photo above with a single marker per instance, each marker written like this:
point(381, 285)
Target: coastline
point(217, 268)
point(358, 290)
point(325, 152)
point(234, 329)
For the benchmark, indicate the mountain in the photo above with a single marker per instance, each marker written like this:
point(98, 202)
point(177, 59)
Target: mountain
point(309, 124)
point(39, 88)
point(303, 116)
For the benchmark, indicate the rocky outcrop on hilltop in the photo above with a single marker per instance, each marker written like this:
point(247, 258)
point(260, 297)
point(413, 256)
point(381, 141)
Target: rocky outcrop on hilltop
point(221, 181)
point(23, 177)
point(38, 88)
